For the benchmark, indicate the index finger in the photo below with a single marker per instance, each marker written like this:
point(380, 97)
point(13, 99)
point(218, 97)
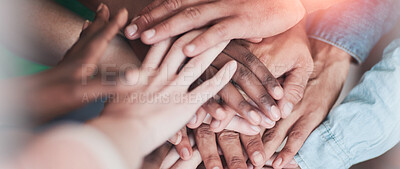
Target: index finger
point(244, 56)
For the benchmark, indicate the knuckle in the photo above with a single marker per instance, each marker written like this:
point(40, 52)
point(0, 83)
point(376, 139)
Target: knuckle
point(269, 135)
point(244, 73)
point(147, 19)
point(265, 99)
point(236, 162)
point(249, 58)
point(296, 135)
point(228, 136)
point(211, 158)
point(221, 31)
point(288, 150)
point(192, 12)
point(296, 92)
point(204, 132)
point(268, 79)
point(165, 26)
point(254, 143)
point(244, 105)
point(147, 9)
point(172, 5)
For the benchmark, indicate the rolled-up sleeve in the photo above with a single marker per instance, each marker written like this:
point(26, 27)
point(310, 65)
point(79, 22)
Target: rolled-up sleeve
point(365, 125)
point(354, 26)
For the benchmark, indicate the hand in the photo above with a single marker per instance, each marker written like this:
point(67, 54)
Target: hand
point(288, 57)
point(230, 146)
point(331, 68)
point(228, 20)
point(256, 82)
point(160, 103)
point(75, 81)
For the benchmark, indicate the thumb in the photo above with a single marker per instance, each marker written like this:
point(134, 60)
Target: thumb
point(293, 87)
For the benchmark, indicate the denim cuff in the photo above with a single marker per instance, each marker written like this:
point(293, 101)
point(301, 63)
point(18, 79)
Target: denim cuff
point(323, 149)
point(354, 26)
point(365, 125)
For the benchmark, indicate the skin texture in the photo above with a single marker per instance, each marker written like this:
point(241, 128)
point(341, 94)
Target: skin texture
point(162, 19)
point(148, 118)
point(330, 71)
point(287, 56)
point(291, 48)
point(125, 54)
point(70, 80)
point(221, 113)
point(148, 81)
point(234, 147)
point(88, 49)
point(257, 86)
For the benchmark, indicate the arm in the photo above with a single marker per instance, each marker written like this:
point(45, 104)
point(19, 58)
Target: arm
point(315, 5)
point(365, 125)
point(354, 26)
point(53, 31)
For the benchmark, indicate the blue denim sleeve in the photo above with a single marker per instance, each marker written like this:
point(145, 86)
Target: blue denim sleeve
point(354, 26)
point(365, 125)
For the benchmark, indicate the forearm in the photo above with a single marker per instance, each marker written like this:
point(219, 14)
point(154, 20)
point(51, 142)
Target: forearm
point(365, 125)
point(354, 26)
point(315, 5)
point(53, 31)
point(133, 6)
point(71, 146)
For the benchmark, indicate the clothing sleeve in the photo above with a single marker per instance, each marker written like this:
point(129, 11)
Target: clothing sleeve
point(365, 125)
point(354, 26)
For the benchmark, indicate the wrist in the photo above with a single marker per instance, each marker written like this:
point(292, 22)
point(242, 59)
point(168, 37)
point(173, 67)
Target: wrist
point(330, 59)
point(322, 51)
point(127, 140)
point(312, 5)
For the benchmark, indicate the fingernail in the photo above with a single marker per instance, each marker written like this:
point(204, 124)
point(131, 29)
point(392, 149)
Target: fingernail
point(215, 124)
point(131, 30)
point(255, 128)
point(275, 112)
point(220, 113)
point(287, 109)
point(100, 7)
point(268, 121)
point(255, 117)
point(177, 138)
point(194, 120)
point(190, 48)
point(149, 33)
point(278, 162)
point(257, 158)
point(250, 166)
point(233, 66)
point(278, 92)
point(85, 25)
point(185, 153)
